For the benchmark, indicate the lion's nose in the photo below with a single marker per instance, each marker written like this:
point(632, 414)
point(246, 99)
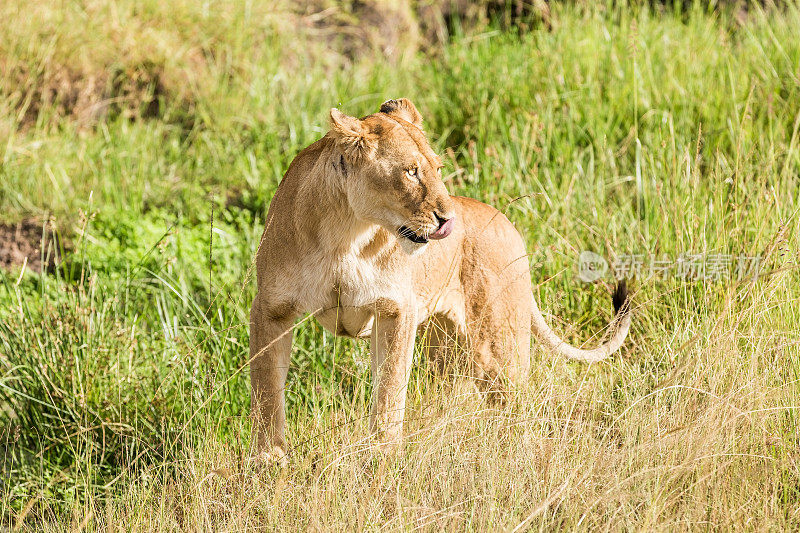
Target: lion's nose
point(444, 229)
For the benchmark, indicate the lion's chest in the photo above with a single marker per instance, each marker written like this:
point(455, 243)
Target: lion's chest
point(349, 322)
point(341, 293)
point(352, 289)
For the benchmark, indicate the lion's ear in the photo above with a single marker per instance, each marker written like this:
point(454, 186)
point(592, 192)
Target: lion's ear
point(403, 108)
point(350, 134)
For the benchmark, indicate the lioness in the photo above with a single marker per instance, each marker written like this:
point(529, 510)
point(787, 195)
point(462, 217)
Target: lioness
point(362, 233)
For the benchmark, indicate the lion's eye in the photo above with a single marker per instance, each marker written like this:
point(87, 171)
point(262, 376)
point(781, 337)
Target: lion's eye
point(413, 173)
point(439, 172)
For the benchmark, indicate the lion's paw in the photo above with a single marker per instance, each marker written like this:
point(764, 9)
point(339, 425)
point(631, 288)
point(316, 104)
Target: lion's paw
point(269, 458)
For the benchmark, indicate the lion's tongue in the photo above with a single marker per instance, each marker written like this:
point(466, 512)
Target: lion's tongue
point(443, 231)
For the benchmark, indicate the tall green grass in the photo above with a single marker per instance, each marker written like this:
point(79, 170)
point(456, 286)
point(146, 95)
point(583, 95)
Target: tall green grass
point(122, 372)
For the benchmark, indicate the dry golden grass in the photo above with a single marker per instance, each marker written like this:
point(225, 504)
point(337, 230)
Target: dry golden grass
point(710, 445)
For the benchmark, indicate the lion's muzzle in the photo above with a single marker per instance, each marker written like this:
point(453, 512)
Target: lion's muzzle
point(444, 229)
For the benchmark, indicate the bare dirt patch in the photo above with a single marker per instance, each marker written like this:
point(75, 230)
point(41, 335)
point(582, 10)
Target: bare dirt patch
point(22, 243)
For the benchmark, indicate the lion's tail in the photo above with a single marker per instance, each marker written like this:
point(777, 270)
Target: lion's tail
point(621, 322)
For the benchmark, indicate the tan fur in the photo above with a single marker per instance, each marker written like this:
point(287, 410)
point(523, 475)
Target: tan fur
point(331, 247)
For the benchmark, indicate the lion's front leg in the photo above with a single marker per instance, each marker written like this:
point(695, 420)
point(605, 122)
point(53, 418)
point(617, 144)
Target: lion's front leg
point(392, 344)
point(270, 350)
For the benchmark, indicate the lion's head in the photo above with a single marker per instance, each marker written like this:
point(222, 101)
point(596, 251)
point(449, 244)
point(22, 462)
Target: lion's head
point(391, 176)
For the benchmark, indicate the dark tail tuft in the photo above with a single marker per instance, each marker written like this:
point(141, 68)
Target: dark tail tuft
point(620, 296)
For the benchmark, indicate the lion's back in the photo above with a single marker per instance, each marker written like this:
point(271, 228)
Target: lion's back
point(490, 235)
